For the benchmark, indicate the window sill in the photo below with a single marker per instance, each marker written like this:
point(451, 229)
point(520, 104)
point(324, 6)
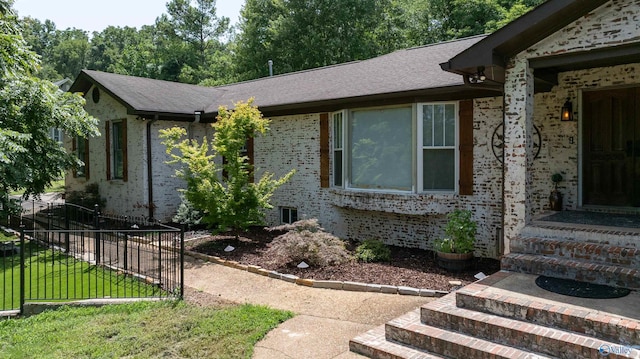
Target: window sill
point(401, 203)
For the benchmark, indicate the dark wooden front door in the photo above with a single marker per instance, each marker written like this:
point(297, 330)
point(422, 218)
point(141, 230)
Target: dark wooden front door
point(611, 147)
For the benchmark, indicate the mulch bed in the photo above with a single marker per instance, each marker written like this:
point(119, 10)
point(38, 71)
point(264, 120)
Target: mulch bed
point(408, 266)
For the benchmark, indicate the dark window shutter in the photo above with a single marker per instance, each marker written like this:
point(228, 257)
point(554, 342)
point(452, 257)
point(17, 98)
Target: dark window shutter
point(250, 156)
point(324, 150)
point(86, 159)
point(466, 147)
point(107, 136)
point(125, 167)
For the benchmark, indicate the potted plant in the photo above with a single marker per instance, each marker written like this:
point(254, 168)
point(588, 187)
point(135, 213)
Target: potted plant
point(555, 198)
point(455, 251)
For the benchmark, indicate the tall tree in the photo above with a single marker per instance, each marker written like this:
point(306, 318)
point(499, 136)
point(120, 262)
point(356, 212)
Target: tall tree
point(192, 34)
point(303, 34)
point(29, 107)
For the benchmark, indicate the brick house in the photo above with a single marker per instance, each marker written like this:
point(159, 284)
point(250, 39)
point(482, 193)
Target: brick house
point(385, 148)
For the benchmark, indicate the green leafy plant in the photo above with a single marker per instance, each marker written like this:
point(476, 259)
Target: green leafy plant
point(556, 178)
point(87, 198)
point(307, 241)
point(187, 214)
point(460, 233)
point(373, 250)
point(225, 194)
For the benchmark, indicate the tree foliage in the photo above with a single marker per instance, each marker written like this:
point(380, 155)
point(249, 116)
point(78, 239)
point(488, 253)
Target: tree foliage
point(29, 107)
point(190, 43)
point(231, 200)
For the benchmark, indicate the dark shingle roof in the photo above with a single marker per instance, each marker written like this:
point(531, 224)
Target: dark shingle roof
point(402, 71)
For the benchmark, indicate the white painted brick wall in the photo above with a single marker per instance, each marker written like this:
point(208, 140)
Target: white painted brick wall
point(615, 23)
point(411, 220)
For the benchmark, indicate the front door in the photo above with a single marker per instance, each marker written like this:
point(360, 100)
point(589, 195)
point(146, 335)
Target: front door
point(611, 147)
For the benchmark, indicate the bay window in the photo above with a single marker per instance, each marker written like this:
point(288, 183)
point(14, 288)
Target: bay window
point(410, 148)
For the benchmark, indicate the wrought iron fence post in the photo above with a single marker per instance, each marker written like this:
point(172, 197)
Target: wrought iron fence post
point(66, 226)
point(181, 293)
point(126, 237)
point(96, 224)
point(22, 269)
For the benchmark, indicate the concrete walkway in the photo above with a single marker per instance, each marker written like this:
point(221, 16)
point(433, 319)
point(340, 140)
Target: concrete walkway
point(325, 319)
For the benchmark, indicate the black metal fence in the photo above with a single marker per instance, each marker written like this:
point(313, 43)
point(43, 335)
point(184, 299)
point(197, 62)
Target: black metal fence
point(66, 252)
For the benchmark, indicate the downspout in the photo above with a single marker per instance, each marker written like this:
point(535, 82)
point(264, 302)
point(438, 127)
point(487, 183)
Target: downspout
point(150, 170)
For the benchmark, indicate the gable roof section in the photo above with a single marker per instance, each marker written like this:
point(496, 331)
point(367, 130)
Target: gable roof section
point(493, 52)
point(413, 73)
point(147, 96)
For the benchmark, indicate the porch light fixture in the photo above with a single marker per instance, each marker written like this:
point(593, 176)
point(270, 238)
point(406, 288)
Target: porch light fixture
point(567, 111)
point(478, 76)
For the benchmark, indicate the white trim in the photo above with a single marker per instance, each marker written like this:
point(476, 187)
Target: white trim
point(420, 147)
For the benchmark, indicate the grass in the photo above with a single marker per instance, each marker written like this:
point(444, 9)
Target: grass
point(140, 330)
point(56, 186)
point(55, 276)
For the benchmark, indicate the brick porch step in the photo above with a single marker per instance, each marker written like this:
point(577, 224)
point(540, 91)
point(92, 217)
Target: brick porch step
point(515, 333)
point(373, 344)
point(578, 250)
point(616, 276)
point(410, 331)
point(605, 326)
point(621, 237)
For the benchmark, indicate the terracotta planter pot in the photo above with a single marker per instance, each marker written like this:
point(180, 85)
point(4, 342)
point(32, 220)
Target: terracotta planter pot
point(454, 262)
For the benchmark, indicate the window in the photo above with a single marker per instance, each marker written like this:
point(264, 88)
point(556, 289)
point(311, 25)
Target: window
point(116, 140)
point(438, 153)
point(81, 149)
point(56, 134)
point(288, 215)
point(337, 148)
point(117, 146)
point(408, 148)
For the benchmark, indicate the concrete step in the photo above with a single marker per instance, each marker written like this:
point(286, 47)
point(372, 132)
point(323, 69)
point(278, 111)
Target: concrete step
point(409, 330)
point(578, 250)
point(606, 326)
point(514, 333)
point(584, 271)
point(373, 344)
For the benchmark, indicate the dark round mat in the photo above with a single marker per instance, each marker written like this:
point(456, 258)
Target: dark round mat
point(580, 289)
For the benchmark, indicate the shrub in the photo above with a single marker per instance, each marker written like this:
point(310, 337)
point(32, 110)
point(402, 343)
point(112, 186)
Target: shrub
point(226, 194)
point(187, 214)
point(87, 198)
point(460, 233)
point(373, 250)
point(307, 241)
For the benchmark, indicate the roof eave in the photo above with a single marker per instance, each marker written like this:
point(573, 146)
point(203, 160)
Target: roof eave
point(520, 34)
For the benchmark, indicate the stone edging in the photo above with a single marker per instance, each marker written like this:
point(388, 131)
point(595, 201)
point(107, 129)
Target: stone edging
point(327, 284)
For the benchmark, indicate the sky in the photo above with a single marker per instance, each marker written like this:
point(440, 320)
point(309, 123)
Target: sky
point(96, 15)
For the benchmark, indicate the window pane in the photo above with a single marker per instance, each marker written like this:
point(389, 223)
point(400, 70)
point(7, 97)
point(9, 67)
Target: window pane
point(285, 215)
point(337, 130)
point(381, 149)
point(427, 125)
point(337, 168)
point(438, 125)
point(118, 153)
point(294, 215)
point(450, 125)
point(439, 169)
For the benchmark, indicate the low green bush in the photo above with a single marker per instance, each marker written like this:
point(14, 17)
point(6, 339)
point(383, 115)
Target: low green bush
point(373, 250)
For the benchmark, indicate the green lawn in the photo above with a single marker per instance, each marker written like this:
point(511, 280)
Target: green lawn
point(56, 186)
point(53, 275)
point(140, 330)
